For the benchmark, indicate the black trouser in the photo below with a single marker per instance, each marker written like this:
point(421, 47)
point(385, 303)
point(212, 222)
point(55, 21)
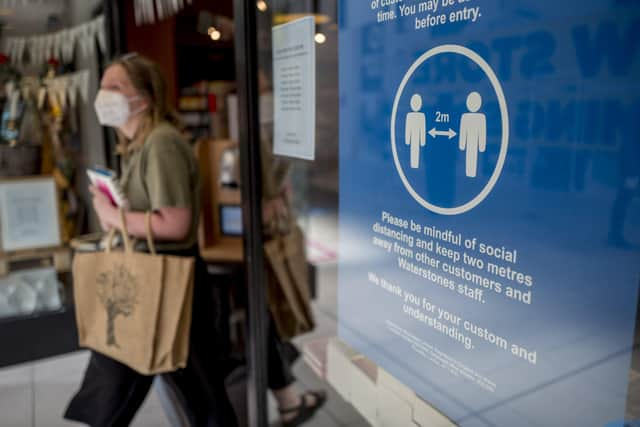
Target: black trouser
point(280, 357)
point(111, 393)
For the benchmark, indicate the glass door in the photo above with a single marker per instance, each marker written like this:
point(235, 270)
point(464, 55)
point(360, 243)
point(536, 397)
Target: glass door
point(465, 174)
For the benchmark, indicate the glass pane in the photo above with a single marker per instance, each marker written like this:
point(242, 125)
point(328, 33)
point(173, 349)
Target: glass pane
point(472, 209)
point(314, 183)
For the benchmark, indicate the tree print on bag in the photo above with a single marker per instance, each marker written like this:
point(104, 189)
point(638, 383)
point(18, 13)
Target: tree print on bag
point(118, 293)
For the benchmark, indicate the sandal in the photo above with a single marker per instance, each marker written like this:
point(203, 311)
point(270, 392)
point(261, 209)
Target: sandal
point(304, 411)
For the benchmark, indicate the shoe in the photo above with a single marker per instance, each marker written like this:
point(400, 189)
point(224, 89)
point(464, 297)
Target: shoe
point(303, 411)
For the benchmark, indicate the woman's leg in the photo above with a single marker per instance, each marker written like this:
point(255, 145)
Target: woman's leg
point(110, 395)
point(280, 378)
point(200, 385)
point(279, 374)
point(201, 390)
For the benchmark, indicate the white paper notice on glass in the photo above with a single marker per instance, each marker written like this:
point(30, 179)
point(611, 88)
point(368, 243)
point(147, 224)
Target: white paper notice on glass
point(29, 214)
point(294, 84)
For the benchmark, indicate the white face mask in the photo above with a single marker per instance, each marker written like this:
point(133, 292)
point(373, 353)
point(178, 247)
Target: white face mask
point(113, 108)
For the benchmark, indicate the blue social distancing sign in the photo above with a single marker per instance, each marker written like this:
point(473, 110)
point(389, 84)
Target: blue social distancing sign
point(489, 203)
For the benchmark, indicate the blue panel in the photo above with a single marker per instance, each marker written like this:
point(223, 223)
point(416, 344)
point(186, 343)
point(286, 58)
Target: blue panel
point(489, 203)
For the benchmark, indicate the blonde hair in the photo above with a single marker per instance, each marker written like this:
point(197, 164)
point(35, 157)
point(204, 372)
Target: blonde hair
point(147, 78)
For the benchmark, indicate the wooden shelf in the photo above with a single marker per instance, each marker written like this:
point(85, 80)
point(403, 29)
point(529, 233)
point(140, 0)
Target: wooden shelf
point(227, 250)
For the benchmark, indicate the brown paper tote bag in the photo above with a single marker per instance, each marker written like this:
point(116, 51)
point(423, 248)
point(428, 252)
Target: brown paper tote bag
point(172, 347)
point(135, 307)
point(288, 293)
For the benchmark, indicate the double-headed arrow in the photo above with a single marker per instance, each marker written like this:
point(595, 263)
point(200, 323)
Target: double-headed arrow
point(450, 133)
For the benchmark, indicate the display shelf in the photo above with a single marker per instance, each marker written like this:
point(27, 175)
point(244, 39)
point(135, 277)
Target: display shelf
point(37, 336)
point(58, 257)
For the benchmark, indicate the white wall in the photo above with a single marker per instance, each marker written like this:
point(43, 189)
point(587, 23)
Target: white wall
point(28, 19)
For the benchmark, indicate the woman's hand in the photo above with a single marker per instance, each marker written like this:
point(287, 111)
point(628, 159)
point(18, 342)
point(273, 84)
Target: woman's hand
point(273, 209)
point(277, 207)
point(107, 213)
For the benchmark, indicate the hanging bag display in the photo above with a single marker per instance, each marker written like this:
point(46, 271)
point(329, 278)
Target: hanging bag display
point(135, 307)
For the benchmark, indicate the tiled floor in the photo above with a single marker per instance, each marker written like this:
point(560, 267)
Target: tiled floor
point(36, 394)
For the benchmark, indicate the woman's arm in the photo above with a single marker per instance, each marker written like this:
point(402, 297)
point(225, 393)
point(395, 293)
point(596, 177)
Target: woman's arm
point(169, 224)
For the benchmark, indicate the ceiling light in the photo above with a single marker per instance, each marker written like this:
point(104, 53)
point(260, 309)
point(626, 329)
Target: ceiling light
point(215, 35)
point(261, 5)
point(320, 38)
point(283, 18)
point(210, 30)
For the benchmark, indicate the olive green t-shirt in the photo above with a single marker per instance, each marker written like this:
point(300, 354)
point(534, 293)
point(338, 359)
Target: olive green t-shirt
point(163, 172)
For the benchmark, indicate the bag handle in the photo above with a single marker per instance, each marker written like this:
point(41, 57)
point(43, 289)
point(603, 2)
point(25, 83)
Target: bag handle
point(128, 246)
point(124, 233)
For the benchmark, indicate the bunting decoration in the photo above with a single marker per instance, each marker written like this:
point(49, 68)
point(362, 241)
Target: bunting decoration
point(16, 3)
point(148, 11)
point(67, 87)
point(64, 89)
point(61, 45)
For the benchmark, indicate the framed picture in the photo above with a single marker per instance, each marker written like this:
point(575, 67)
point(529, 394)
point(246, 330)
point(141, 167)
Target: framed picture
point(230, 220)
point(29, 216)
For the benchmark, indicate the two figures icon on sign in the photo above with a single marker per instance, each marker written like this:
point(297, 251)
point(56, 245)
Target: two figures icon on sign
point(473, 132)
point(416, 130)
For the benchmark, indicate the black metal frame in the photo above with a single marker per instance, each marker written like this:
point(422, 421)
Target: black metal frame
point(114, 22)
point(246, 52)
point(116, 45)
